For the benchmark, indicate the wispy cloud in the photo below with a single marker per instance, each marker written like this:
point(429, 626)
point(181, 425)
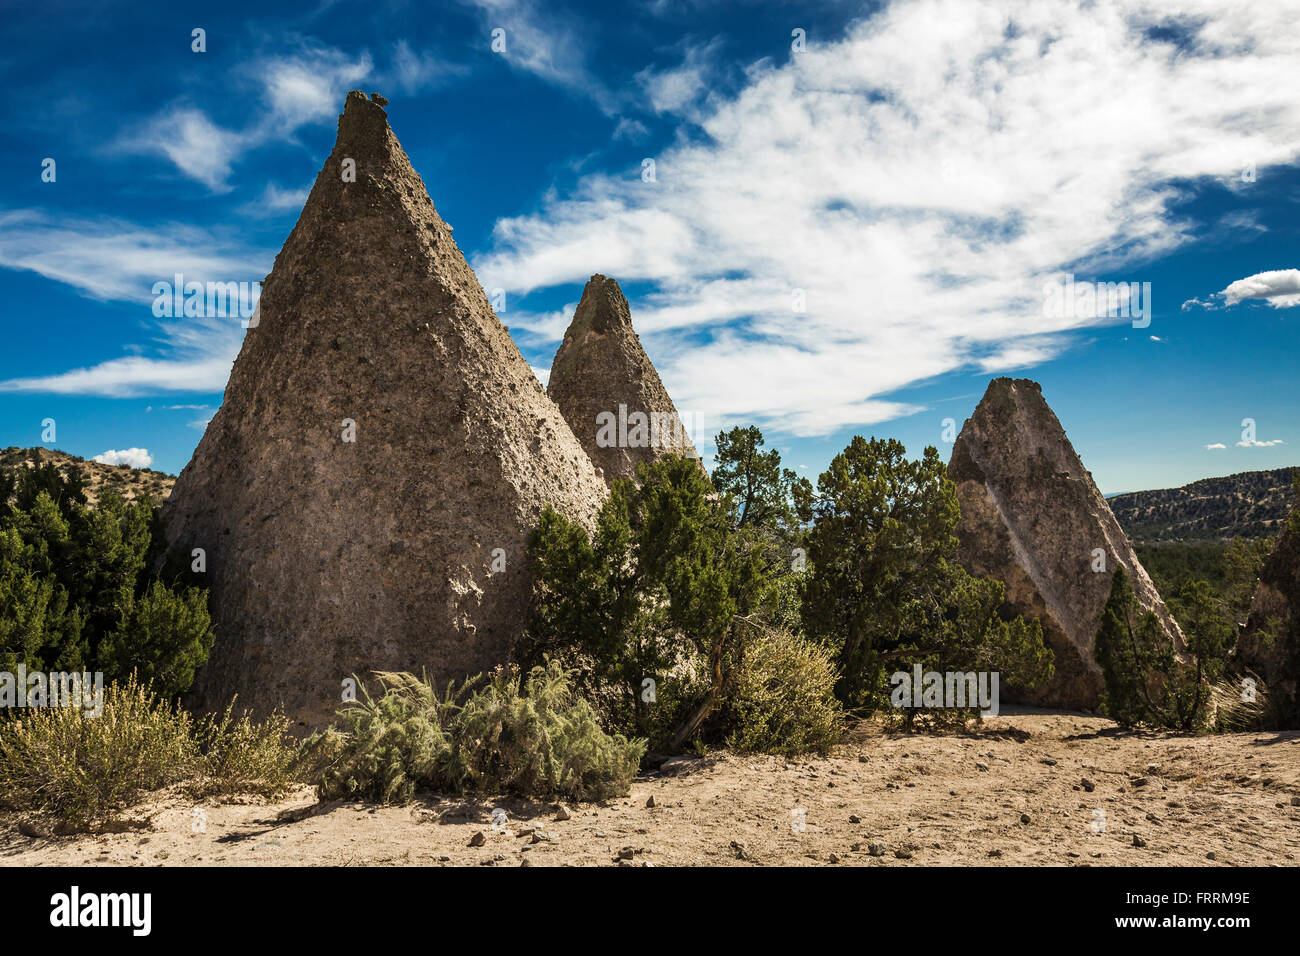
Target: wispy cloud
point(192, 356)
point(413, 72)
point(913, 185)
point(541, 40)
point(303, 86)
point(680, 88)
point(111, 259)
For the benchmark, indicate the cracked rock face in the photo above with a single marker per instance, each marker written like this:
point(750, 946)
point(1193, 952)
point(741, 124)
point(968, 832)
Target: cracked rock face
point(1032, 518)
point(608, 390)
point(365, 494)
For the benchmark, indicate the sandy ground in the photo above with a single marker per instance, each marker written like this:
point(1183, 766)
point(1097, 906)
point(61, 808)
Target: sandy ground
point(1012, 793)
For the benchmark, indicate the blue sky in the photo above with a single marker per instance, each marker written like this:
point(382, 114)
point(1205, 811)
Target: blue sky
point(855, 212)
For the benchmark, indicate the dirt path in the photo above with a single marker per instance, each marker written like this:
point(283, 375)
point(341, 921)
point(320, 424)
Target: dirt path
point(1011, 794)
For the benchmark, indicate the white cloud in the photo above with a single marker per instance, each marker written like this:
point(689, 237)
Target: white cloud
point(135, 457)
point(1216, 446)
point(192, 356)
point(919, 179)
point(1280, 288)
point(543, 374)
point(195, 145)
point(307, 86)
point(1260, 444)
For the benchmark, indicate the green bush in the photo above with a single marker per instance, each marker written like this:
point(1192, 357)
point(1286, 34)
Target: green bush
point(538, 740)
point(782, 700)
point(164, 637)
point(84, 770)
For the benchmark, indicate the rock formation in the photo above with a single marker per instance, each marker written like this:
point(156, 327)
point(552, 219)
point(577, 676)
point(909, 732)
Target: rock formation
point(1032, 518)
point(365, 494)
point(608, 390)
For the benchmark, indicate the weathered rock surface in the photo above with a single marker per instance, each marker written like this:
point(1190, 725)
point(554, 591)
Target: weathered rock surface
point(602, 375)
point(1269, 644)
point(328, 557)
point(1032, 518)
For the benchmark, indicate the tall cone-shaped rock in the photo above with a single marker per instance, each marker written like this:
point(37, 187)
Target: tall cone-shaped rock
point(608, 390)
point(1032, 518)
point(1269, 644)
point(365, 493)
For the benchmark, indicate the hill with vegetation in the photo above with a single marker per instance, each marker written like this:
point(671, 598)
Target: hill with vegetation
point(1251, 504)
point(130, 483)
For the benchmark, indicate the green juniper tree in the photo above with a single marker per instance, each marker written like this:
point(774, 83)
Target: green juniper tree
point(76, 591)
point(1147, 679)
point(663, 581)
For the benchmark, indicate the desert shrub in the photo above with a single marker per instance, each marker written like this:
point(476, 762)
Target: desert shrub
point(534, 737)
point(245, 755)
point(85, 769)
point(782, 697)
point(545, 740)
point(385, 748)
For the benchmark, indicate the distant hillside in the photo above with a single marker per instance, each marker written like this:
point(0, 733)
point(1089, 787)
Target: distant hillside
point(1251, 504)
point(129, 482)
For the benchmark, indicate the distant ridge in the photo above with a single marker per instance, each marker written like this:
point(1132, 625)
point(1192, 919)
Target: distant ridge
point(130, 483)
point(1249, 504)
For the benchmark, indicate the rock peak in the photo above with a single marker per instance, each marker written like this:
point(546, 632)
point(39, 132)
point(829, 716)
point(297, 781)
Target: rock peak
point(603, 308)
point(602, 375)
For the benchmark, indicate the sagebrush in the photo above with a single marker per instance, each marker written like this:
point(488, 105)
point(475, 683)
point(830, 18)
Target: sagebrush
point(530, 736)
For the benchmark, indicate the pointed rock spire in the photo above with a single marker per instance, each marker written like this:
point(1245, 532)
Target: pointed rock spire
point(365, 494)
point(1032, 518)
point(608, 390)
